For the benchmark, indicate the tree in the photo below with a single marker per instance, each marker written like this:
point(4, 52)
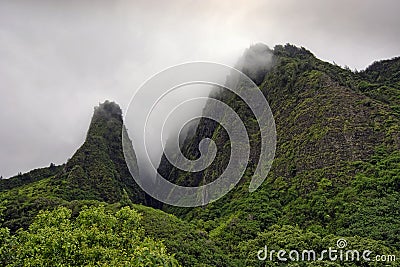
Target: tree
point(97, 237)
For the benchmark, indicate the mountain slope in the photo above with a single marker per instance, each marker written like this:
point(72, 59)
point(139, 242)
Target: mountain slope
point(336, 173)
point(97, 171)
point(337, 164)
point(97, 175)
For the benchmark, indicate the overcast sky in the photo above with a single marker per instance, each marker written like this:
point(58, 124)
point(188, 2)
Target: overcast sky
point(58, 58)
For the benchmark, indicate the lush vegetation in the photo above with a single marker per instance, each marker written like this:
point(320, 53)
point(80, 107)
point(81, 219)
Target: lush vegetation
point(337, 167)
point(96, 237)
point(336, 175)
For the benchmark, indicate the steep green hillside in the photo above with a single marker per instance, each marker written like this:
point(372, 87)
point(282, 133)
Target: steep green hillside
point(97, 171)
point(336, 175)
point(337, 165)
point(96, 176)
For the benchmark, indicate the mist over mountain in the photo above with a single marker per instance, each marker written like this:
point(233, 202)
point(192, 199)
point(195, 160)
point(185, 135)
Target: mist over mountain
point(256, 61)
point(336, 169)
point(336, 174)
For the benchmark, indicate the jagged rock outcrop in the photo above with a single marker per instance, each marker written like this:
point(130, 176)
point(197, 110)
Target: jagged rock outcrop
point(98, 170)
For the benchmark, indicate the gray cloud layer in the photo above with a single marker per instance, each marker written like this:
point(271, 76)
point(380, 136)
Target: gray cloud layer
point(60, 58)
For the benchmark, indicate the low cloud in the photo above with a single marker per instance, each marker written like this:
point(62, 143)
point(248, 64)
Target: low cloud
point(59, 59)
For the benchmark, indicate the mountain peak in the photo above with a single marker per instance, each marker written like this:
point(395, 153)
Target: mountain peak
point(98, 170)
point(108, 109)
point(256, 61)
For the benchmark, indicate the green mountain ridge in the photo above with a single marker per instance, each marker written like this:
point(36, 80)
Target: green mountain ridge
point(336, 173)
point(96, 171)
point(337, 165)
point(95, 176)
